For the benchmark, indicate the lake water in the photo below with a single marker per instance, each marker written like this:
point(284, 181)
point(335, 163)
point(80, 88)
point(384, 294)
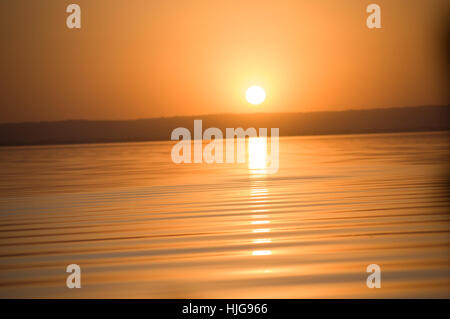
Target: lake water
point(141, 226)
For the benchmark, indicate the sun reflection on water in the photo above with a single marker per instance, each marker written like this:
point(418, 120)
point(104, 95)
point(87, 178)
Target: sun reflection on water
point(261, 252)
point(257, 154)
point(259, 194)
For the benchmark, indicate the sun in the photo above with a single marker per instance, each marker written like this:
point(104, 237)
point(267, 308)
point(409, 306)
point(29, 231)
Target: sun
point(255, 95)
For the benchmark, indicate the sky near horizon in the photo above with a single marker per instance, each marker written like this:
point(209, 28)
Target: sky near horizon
point(140, 59)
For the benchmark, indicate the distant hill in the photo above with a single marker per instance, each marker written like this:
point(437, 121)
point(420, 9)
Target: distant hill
point(405, 119)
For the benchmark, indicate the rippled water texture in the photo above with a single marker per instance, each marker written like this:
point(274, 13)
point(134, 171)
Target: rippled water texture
point(142, 226)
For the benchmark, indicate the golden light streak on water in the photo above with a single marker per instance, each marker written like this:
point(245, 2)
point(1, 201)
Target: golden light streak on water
point(143, 227)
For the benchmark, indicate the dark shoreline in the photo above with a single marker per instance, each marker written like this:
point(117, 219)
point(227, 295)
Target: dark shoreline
point(373, 121)
point(167, 140)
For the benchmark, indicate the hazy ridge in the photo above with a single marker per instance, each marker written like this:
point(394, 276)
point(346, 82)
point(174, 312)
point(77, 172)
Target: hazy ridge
point(404, 119)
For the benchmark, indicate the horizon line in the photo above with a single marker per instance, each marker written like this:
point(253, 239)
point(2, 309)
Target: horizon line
point(228, 113)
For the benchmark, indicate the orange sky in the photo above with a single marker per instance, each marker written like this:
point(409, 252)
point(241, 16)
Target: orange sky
point(141, 58)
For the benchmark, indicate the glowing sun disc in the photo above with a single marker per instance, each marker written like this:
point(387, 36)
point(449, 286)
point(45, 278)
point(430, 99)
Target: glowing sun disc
point(255, 95)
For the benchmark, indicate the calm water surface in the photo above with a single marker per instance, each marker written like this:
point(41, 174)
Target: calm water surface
point(141, 226)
